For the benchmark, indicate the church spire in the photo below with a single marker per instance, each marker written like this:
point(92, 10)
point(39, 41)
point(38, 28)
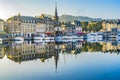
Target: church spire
point(56, 15)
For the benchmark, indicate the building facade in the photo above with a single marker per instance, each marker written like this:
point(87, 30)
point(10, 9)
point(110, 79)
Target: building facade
point(21, 25)
point(49, 26)
point(110, 25)
point(27, 25)
point(1, 25)
point(78, 27)
point(40, 25)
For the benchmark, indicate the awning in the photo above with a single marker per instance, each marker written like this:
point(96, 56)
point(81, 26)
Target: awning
point(79, 32)
point(48, 33)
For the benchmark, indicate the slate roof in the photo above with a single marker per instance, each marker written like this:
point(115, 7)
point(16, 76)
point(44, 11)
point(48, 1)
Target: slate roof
point(78, 23)
point(1, 20)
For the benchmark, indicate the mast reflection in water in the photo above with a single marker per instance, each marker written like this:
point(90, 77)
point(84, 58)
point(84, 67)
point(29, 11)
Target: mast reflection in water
point(60, 61)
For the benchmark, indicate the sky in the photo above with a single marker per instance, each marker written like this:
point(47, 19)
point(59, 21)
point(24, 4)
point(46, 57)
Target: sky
point(106, 9)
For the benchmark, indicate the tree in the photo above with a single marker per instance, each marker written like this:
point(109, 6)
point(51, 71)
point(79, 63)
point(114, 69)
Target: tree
point(84, 26)
point(89, 27)
point(92, 26)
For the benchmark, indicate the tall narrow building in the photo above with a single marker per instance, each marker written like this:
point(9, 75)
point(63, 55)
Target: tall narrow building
point(56, 18)
point(56, 23)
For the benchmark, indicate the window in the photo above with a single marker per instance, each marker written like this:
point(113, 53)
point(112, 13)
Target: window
point(18, 24)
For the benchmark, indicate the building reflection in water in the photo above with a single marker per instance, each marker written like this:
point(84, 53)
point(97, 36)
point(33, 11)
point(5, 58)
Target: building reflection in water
point(27, 51)
point(112, 47)
point(2, 51)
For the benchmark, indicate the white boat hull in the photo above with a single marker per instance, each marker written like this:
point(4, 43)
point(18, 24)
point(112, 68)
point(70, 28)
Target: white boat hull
point(68, 38)
point(43, 38)
point(18, 39)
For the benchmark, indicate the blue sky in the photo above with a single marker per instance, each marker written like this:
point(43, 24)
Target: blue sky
point(92, 8)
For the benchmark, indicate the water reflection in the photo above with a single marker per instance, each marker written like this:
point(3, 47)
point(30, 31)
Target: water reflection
point(29, 50)
point(78, 57)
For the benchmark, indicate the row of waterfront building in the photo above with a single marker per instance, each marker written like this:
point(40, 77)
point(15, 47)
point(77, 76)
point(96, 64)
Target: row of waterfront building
point(111, 25)
point(25, 26)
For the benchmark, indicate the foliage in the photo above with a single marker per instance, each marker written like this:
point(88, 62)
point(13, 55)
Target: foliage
point(91, 26)
point(2, 32)
point(84, 26)
point(91, 47)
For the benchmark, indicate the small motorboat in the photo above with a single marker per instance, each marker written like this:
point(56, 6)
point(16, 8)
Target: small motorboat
point(42, 37)
point(18, 39)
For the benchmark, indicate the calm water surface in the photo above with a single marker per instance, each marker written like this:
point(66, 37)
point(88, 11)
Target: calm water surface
point(60, 61)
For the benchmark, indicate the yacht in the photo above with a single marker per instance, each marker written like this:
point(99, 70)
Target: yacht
point(18, 39)
point(68, 38)
point(42, 37)
point(95, 37)
point(72, 36)
point(91, 36)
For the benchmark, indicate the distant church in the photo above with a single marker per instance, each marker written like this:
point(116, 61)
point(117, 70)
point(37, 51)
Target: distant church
point(58, 30)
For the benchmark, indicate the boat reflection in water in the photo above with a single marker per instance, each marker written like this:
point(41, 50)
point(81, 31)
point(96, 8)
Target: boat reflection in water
point(86, 58)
